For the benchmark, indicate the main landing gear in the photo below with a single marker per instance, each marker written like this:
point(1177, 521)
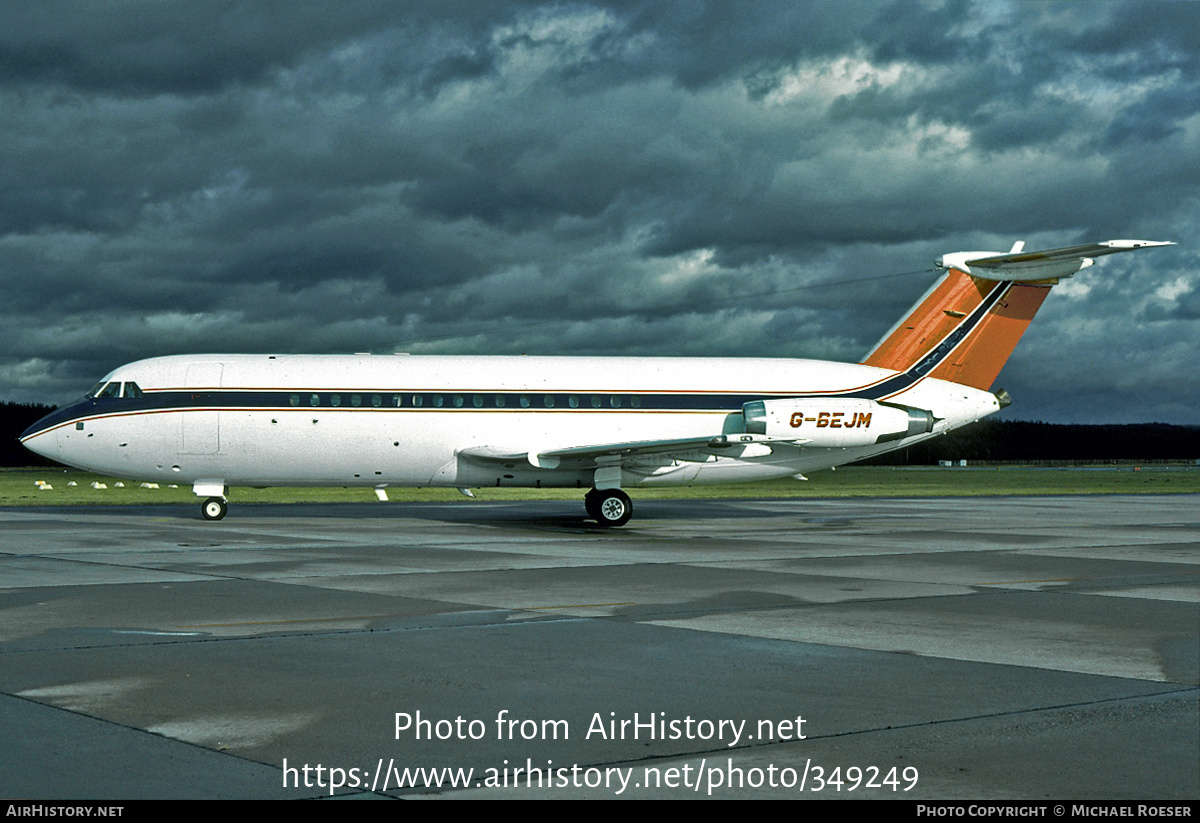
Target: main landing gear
point(608, 507)
point(214, 508)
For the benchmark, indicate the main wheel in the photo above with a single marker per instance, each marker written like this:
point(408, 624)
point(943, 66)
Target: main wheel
point(213, 508)
point(612, 507)
point(591, 503)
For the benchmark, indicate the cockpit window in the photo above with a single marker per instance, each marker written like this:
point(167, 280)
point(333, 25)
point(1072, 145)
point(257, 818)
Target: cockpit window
point(115, 389)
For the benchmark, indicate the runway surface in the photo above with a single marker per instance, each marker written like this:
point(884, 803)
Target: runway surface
point(979, 648)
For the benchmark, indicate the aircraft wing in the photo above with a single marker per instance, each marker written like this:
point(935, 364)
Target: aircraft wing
point(1046, 264)
point(688, 449)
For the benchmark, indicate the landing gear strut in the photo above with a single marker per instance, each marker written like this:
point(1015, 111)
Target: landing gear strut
point(214, 508)
point(608, 507)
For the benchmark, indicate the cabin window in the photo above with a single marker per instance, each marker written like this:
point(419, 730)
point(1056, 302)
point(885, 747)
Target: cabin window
point(499, 401)
point(597, 401)
point(335, 400)
point(438, 400)
point(635, 401)
point(418, 400)
point(314, 400)
point(524, 401)
point(458, 401)
point(549, 400)
point(377, 401)
point(477, 401)
point(573, 401)
point(356, 400)
point(615, 401)
point(294, 400)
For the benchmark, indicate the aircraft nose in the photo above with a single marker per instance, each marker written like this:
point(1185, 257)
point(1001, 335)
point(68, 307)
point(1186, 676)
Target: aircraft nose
point(41, 441)
point(32, 431)
point(42, 437)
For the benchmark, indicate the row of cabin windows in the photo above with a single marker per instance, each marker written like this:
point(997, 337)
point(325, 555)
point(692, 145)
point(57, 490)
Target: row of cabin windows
point(478, 401)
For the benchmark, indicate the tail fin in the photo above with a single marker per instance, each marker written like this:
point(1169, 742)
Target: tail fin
point(966, 326)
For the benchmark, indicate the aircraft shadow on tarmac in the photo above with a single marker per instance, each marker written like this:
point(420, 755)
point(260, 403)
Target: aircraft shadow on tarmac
point(539, 514)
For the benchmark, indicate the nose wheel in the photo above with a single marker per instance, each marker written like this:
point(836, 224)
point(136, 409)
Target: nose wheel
point(608, 507)
point(214, 508)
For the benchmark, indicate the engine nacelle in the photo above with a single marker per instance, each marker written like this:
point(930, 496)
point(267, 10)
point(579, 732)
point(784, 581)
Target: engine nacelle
point(836, 422)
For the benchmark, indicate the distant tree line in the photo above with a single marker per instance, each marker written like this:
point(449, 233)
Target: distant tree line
point(14, 419)
point(1006, 440)
point(1021, 442)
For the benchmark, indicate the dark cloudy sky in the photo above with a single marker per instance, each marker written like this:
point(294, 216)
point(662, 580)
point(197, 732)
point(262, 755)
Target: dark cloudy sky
point(624, 178)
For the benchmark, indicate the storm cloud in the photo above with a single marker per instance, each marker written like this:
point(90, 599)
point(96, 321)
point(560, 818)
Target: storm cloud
point(625, 178)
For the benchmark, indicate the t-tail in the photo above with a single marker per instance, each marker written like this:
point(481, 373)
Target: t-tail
point(966, 326)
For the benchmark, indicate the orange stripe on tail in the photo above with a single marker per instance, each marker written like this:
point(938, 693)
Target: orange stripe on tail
point(977, 360)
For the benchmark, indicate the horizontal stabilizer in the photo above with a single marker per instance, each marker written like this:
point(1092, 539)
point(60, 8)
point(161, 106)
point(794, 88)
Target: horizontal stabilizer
point(1024, 266)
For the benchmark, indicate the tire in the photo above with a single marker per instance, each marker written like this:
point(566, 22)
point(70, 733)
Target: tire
point(591, 502)
point(612, 507)
point(213, 508)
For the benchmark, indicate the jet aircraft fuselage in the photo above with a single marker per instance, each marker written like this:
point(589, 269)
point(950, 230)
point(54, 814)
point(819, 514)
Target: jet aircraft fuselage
point(598, 423)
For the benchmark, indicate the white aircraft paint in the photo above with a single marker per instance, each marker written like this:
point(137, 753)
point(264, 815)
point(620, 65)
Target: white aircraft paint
point(598, 423)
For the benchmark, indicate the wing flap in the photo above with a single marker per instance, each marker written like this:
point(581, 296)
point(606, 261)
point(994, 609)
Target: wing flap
point(688, 449)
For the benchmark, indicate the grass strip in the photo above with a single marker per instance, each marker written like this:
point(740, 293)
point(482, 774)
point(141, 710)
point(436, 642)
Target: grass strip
point(19, 487)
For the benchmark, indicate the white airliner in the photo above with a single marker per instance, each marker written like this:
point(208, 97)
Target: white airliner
point(597, 423)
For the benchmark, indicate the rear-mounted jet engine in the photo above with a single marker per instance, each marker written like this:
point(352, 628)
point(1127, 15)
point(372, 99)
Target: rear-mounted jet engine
point(836, 422)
